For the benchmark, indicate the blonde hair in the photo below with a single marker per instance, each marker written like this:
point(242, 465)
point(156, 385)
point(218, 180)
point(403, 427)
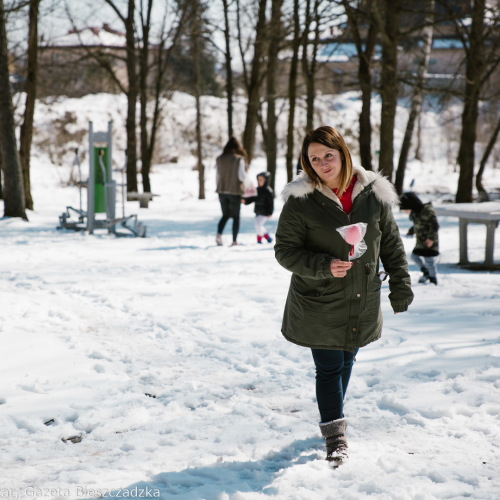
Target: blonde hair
point(331, 138)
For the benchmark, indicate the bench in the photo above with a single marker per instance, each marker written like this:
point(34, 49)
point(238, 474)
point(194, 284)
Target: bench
point(492, 196)
point(487, 213)
point(142, 198)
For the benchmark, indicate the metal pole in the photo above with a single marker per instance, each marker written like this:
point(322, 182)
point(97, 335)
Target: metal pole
point(105, 180)
point(90, 183)
point(124, 185)
point(76, 162)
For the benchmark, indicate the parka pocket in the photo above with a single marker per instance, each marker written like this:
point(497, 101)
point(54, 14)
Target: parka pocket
point(314, 288)
point(318, 310)
point(374, 284)
point(373, 287)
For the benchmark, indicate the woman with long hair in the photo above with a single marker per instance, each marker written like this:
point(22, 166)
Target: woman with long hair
point(231, 168)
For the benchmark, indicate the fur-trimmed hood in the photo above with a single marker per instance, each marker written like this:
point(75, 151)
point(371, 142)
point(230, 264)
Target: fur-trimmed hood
point(383, 190)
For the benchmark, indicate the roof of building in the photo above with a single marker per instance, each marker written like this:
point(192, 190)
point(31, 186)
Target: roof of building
point(90, 36)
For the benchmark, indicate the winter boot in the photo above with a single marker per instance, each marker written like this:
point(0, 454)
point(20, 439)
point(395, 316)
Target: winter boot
point(433, 279)
point(336, 442)
point(259, 240)
point(425, 275)
point(268, 238)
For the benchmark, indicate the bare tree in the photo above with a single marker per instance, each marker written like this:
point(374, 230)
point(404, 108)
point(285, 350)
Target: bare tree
point(146, 152)
point(275, 39)
point(14, 201)
point(309, 57)
point(197, 9)
point(388, 23)
point(484, 160)
point(128, 20)
point(358, 17)
point(481, 43)
point(418, 93)
point(1, 175)
point(229, 69)
point(29, 110)
point(292, 90)
point(254, 82)
point(153, 63)
point(473, 75)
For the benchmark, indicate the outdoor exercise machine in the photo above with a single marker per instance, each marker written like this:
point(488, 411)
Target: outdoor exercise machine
point(101, 193)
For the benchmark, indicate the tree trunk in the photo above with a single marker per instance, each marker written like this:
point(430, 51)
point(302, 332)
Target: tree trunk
point(309, 61)
point(132, 99)
point(389, 84)
point(143, 77)
point(305, 63)
point(417, 97)
point(1, 175)
point(195, 47)
point(132, 91)
point(272, 67)
point(365, 57)
point(253, 89)
point(474, 70)
point(292, 92)
point(229, 71)
point(484, 159)
point(418, 145)
point(161, 63)
point(365, 124)
point(26, 135)
point(14, 201)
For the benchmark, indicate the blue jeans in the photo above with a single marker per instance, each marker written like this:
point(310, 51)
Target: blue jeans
point(333, 371)
point(428, 262)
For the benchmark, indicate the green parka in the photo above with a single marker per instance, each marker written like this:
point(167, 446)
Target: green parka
point(425, 227)
point(339, 313)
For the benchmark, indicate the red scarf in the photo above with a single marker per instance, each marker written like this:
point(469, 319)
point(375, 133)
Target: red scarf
point(346, 198)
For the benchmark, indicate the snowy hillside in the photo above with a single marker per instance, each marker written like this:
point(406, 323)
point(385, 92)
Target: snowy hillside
point(164, 354)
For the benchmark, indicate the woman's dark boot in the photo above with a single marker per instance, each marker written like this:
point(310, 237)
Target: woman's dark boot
point(336, 442)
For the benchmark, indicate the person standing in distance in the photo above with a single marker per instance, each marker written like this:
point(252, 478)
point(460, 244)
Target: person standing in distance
point(333, 304)
point(231, 167)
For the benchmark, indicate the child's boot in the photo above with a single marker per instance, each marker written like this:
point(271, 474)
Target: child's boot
point(425, 275)
point(259, 240)
point(268, 238)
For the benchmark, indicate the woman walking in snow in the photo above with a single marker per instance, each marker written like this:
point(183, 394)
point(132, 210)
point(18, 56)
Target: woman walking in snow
point(333, 303)
point(230, 177)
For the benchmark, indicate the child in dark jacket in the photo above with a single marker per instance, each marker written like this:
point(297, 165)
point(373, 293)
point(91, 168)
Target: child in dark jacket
point(425, 228)
point(264, 205)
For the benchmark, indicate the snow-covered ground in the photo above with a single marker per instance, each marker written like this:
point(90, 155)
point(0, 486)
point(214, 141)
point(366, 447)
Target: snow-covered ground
point(164, 354)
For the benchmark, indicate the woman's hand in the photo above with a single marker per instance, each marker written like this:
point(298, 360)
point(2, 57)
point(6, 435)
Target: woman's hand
point(339, 268)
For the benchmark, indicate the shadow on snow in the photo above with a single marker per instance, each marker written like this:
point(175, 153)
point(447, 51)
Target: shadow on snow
point(229, 477)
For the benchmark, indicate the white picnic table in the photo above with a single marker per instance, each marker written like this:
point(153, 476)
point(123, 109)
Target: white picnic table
point(487, 213)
